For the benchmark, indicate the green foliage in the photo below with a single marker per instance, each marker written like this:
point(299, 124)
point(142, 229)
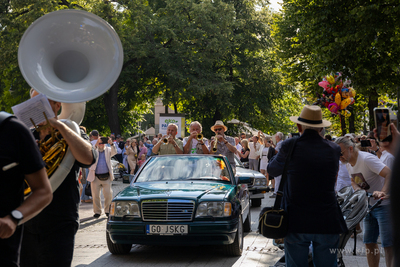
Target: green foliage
point(358, 38)
point(212, 59)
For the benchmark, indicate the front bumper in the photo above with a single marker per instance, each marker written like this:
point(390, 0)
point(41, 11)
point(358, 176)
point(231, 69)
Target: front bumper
point(258, 192)
point(199, 233)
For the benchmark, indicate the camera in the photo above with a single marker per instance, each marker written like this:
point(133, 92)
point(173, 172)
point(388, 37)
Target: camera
point(382, 124)
point(365, 143)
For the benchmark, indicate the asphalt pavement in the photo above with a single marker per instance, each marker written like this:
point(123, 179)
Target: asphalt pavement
point(91, 247)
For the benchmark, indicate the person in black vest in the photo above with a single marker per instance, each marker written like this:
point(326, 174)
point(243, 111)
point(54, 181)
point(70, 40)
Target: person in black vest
point(20, 160)
point(49, 237)
point(309, 193)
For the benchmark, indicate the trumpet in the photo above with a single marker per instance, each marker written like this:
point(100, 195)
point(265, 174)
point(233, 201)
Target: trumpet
point(199, 137)
point(214, 149)
point(165, 140)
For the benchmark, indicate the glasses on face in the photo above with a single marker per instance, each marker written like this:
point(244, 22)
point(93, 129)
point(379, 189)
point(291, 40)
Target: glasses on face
point(218, 129)
point(101, 144)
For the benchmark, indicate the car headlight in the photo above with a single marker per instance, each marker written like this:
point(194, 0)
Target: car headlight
point(257, 181)
point(214, 209)
point(125, 208)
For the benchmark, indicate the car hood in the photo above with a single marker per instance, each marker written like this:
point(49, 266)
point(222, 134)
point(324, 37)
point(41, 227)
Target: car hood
point(243, 172)
point(182, 190)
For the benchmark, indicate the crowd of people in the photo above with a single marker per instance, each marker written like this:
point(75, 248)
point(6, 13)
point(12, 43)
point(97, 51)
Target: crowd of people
point(319, 167)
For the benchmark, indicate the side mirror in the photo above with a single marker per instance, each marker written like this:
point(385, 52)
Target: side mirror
point(246, 180)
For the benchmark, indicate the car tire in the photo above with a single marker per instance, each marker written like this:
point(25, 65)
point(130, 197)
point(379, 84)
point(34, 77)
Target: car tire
point(236, 248)
point(247, 223)
point(117, 249)
point(256, 202)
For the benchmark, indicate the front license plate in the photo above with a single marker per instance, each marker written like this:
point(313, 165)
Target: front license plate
point(166, 229)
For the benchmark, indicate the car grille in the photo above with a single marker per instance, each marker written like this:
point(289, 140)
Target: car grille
point(167, 210)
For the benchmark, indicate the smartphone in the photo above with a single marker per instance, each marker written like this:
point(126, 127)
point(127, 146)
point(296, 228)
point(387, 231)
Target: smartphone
point(382, 124)
point(365, 143)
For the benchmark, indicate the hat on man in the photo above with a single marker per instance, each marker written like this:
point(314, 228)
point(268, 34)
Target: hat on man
point(95, 133)
point(311, 116)
point(219, 123)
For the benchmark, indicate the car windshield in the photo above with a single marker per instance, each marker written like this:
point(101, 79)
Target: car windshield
point(238, 163)
point(179, 168)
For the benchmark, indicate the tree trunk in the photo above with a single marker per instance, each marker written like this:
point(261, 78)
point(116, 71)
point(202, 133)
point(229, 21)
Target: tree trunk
point(217, 116)
point(111, 103)
point(352, 128)
point(343, 124)
point(372, 103)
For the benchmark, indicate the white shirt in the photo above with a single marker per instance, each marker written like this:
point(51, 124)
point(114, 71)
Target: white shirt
point(254, 151)
point(388, 160)
point(194, 144)
point(239, 148)
point(343, 178)
point(366, 173)
point(93, 142)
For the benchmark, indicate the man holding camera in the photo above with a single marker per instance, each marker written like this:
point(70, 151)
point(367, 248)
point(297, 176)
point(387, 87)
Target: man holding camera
point(101, 175)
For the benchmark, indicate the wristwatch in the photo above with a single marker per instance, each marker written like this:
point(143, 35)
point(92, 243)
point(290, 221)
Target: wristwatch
point(16, 215)
point(175, 145)
point(377, 150)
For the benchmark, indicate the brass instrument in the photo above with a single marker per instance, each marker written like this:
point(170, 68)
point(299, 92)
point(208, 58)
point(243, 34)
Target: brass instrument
point(199, 137)
point(214, 149)
point(71, 56)
point(165, 140)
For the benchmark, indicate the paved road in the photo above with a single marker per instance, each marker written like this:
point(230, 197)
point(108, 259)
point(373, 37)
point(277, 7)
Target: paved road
point(91, 247)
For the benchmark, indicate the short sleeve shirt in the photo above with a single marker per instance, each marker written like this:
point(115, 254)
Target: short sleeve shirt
point(168, 149)
point(17, 146)
point(193, 148)
point(223, 150)
point(366, 173)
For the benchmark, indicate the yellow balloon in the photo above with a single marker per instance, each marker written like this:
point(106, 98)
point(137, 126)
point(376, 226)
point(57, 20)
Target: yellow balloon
point(345, 103)
point(338, 99)
point(330, 79)
point(352, 92)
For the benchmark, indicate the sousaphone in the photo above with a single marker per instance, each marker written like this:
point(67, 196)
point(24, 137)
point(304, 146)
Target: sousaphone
point(71, 56)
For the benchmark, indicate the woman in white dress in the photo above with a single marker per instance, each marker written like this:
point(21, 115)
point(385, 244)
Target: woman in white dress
point(264, 149)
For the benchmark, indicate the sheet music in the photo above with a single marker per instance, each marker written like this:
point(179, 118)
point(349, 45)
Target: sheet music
point(33, 109)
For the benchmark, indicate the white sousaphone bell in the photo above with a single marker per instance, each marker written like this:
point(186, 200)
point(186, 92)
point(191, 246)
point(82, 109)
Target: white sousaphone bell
point(71, 56)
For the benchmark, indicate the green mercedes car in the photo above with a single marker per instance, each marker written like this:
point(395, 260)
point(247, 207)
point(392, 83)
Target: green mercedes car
point(182, 200)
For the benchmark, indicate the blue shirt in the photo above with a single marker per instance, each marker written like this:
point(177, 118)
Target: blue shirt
point(101, 164)
point(149, 148)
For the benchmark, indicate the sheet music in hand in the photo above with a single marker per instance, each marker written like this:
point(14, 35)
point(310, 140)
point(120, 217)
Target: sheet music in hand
point(33, 109)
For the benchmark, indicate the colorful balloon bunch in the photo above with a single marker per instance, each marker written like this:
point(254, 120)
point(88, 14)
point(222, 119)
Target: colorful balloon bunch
point(337, 96)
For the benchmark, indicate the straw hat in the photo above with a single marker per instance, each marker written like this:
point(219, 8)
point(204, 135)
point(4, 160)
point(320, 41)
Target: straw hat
point(311, 116)
point(219, 123)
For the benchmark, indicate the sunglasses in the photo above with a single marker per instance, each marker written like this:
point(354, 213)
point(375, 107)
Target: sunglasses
point(218, 129)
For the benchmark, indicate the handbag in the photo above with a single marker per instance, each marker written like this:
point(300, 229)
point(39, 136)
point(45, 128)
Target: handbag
point(88, 189)
point(273, 221)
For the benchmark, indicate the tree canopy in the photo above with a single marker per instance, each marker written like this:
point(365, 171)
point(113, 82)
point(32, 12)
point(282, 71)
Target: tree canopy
point(211, 59)
point(358, 38)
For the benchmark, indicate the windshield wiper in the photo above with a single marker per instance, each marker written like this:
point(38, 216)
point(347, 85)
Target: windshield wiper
point(204, 178)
